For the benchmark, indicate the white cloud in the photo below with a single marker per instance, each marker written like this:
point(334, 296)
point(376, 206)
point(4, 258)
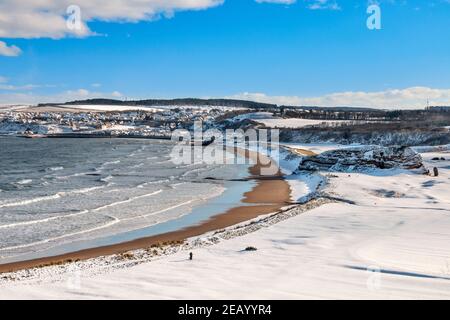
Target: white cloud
point(10, 87)
point(9, 51)
point(409, 98)
point(80, 92)
point(47, 18)
point(4, 85)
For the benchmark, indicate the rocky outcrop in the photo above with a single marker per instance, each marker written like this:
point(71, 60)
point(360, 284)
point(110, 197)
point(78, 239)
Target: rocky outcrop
point(363, 158)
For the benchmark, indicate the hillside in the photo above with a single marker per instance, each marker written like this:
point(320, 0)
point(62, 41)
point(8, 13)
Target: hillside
point(173, 102)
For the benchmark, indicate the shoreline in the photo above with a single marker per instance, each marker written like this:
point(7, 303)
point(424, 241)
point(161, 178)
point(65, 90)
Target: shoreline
point(269, 195)
point(326, 248)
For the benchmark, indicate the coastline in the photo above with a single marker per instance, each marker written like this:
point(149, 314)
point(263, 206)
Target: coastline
point(269, 195)
point(325, 248)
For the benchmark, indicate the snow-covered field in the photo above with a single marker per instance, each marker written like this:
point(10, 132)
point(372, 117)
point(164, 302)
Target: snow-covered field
point(392, 243)
point(253, 116)
point(268, 120)
point(117, 108)
point(110, 108)
point(292, 123)
point(318, 147)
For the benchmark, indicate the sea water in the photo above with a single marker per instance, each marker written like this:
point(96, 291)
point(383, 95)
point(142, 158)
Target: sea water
point(58, 195)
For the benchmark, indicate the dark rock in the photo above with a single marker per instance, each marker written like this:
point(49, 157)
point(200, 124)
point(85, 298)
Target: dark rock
point(436, 172)
point(363, 158)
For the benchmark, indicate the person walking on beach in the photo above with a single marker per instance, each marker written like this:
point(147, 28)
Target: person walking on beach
point(191, 256)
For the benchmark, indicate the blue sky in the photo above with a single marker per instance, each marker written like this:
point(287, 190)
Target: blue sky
point(307, 52)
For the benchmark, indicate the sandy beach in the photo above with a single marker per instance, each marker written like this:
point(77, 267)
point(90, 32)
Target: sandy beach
point(269, 195)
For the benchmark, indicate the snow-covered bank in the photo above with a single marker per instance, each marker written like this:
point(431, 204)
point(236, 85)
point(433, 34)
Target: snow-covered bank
point(393, 243)
point(14, 128)
point(304, 186)
point(9, 108)
point(295, 123)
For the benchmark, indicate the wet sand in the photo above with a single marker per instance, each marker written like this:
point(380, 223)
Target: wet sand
point(269, 195)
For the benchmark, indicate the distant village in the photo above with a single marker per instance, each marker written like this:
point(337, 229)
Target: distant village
point(159, 118)
point(153, 122)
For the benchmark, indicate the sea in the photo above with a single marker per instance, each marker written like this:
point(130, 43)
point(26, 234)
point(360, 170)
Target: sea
point(61, 195)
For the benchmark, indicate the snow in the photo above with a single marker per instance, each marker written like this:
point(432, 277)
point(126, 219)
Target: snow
point(391, 244)
point(292, 123)
point(115, 108)
point(119, 108)
point(9, 108)
point(120, 127)
point(317, 147)
point(252, 116)
point(304, 186)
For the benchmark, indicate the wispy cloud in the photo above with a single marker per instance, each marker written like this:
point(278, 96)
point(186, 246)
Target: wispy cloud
point(322, 5)
point(27, 94)
point(6, 86)
point(277, 1)
point(30, 98)
point(408, 98)
point(310, 4)
point(10, 87)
